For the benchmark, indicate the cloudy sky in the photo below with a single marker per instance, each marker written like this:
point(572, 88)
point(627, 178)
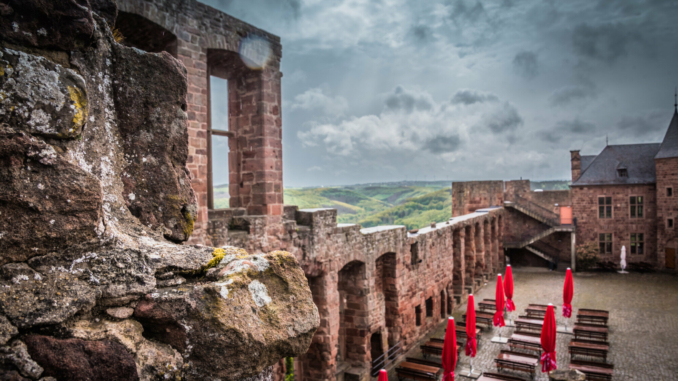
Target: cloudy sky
point(390, 90)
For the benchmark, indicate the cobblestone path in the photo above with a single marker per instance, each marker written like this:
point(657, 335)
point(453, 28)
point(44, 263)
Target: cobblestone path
point(643, 320)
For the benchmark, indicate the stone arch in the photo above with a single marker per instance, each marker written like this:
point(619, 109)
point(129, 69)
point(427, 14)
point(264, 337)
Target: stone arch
point(386, 295)
point(479, 264)
point(469, 257)
point(487, 232)
point(353, 316)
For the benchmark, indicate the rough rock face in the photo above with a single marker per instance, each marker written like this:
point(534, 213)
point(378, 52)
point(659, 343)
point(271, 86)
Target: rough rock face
point(94, 195)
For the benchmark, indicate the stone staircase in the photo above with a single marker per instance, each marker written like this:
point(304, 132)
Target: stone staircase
point(541, 254)
point(533, 210)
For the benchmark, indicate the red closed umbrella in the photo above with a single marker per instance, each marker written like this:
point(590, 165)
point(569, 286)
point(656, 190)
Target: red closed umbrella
point(508, 289)
point(568, 293)
point(548, 341)
point(449, 351)
point(498, 319)
point(471, 344)
point(382, 375)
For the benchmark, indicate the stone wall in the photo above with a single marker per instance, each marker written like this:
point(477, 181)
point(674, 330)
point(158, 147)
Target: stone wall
point(208, 43)
point(585, 210)
point(667, 208)
point(96, 197)
point(469, 196)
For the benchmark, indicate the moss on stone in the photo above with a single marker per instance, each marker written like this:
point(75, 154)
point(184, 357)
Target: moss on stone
point(80, 103)
point(190, 224)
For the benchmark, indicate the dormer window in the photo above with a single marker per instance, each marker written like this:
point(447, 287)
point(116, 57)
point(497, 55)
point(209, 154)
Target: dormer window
point(623, 172)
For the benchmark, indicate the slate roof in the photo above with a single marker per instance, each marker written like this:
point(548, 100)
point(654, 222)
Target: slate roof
point(669, 146)
point(586, 161)
point(637, 158)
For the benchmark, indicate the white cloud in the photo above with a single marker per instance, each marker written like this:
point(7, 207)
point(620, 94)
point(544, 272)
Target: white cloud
point(408, 125)
point(314, 99)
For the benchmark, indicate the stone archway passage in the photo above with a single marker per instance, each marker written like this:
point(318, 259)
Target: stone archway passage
point(352, 286)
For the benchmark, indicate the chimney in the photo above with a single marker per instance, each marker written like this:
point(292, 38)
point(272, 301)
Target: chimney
point(575, 160)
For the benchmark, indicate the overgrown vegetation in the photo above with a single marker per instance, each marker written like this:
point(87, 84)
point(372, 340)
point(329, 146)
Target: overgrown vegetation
point(289, 373)
point(587, 256)
point(550, 185)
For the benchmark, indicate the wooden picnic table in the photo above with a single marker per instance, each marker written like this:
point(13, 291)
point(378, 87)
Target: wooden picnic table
point(589, 348)
point(595, 371)
point(418, 372)
point(592, 316)
point(482, 318)
point(527, 341)
point(529, 323)
point(516, 361)
point(590, 331)
point(499, 376)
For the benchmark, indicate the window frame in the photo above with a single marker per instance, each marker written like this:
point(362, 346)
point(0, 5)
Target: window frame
point(636, 207)
point(225, 133)
point(669, 223)
point(605, 207)
point(669, 191)
point(637, 246)
point(608, 244)
point(417, 315)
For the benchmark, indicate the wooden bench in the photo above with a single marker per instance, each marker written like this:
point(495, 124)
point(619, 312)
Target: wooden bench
point(434, 347)
point(487, 305)
point(590, 332)
point(594, 371)
point(431, 347)
point(537, 310)
point(528, 323)
point(482, 318)
point(588, 316)
point(588, 348)
point(424, 362)
point(419, 372)
point(499, 376)
point(517, 362)
point(525, 340)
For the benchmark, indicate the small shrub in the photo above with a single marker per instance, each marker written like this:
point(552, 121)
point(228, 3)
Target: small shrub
point(587, 256)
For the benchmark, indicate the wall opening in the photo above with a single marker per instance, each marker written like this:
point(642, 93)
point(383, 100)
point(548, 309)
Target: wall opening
point(142, 33)
point(442, 304)
point(414, 254)
point(469, 257)
point(417, 315)
point(387, 294)
point(376, 346)
point(429, 307)
point(352, 330)
point(219, 142)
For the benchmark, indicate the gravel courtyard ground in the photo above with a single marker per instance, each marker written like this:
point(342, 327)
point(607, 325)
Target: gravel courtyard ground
point(643, 320)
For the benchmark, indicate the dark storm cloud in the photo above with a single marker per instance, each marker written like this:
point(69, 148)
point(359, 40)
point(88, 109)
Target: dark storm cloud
point(568, 94)
point(525, 64)
point(566, 128)
point(463, 11)
point(402, 100)
point(421, 32)
point(644, 124)
point(505, 119)
point(606, 43)
point(443, 144)
point(469, 97)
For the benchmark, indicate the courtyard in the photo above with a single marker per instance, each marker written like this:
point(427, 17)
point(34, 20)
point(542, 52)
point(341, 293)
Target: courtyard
point(643, 320)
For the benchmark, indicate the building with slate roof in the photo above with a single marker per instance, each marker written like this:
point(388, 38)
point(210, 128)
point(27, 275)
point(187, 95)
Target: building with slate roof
point(624, 196)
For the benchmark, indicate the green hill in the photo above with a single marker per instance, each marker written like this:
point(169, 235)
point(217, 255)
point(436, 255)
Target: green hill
point(411, 204)
point(415, 212)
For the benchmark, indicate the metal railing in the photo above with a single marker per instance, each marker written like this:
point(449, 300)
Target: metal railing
point(546, 249)
point(386, 359)
point(526, 235)
point(549, 216)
